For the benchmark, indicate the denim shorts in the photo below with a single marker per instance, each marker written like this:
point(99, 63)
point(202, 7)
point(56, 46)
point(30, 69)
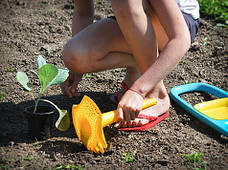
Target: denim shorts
point(193, 24)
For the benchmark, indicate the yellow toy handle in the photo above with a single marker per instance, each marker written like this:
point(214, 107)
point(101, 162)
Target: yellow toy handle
point(112, 116)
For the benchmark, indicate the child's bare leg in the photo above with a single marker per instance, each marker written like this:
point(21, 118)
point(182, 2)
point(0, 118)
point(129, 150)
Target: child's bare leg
point(96, 49)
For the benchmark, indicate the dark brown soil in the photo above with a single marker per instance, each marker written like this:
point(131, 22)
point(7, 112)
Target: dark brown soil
point(42, 27)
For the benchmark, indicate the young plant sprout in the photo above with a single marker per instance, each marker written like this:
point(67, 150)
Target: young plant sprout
point(129, 157)
point(48, 75)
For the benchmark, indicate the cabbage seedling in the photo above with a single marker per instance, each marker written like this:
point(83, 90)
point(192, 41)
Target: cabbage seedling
point(48, 75)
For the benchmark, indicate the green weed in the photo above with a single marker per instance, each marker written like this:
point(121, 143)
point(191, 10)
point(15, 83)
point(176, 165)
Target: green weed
point(10, 69)
point(216, 157)
point(4, 167)
point(1, 95)
point(87, 75)
point(37, 143)
point(129, 157)
point(28, 158)
point(68, 166)
point(188, 82)
point(195, 159)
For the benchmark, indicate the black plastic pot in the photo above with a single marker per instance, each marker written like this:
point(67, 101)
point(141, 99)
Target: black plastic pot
point(40, 123)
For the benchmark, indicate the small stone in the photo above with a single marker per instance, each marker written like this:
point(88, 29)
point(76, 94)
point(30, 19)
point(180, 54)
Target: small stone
point(21, 3)
point(11, 143)
point(71, 162)
point(55, 157)
point(67, 28)
point(162, 162)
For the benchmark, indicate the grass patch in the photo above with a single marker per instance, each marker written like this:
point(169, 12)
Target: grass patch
point(195, 160)
point(218, 9)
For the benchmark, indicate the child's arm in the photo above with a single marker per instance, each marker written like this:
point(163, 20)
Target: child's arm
point(83, 15)
point(174, 24)
point(140, 35)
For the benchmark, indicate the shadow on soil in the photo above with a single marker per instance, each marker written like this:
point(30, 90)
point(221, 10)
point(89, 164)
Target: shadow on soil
point(14, 124)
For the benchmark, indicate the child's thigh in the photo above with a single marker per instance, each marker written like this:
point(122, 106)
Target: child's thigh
point(97, 40)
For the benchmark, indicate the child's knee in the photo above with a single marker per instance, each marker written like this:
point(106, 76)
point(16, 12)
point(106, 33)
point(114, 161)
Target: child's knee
point(75, 58)
point(81, 58)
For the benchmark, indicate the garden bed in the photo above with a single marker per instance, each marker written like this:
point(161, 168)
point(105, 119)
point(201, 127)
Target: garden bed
point(42, 27)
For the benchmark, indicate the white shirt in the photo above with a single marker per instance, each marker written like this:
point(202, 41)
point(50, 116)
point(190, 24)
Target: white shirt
point(189, 7)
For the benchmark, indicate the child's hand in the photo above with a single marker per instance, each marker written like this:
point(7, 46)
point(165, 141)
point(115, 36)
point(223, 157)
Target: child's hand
point(69, 87)
point(129, 106)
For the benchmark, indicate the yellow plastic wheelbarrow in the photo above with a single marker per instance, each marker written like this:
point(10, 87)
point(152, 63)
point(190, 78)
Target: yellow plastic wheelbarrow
point(89, 123)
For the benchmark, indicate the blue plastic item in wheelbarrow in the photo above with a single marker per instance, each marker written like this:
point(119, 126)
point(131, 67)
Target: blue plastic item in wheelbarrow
point(221, 125)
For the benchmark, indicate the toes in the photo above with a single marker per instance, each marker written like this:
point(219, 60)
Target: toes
point(130, 123)
point(122, 124)
point(134, 123)
point(139, 122)
point(117, 125)
point(125, 123)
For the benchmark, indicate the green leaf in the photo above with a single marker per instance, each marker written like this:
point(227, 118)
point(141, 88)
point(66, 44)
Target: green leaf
point(46, 74)
point(60, 78)
point(40, 61)
point(220, 25)
point(23, 79)
point(63, 122)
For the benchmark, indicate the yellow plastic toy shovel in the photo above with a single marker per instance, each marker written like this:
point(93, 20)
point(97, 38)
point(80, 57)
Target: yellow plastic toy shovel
point(89, 123)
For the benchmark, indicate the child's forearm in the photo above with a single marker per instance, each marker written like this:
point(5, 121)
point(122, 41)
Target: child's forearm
point(165, 63)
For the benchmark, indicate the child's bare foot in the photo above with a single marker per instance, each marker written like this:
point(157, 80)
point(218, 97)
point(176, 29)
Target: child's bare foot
point(145, 116)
